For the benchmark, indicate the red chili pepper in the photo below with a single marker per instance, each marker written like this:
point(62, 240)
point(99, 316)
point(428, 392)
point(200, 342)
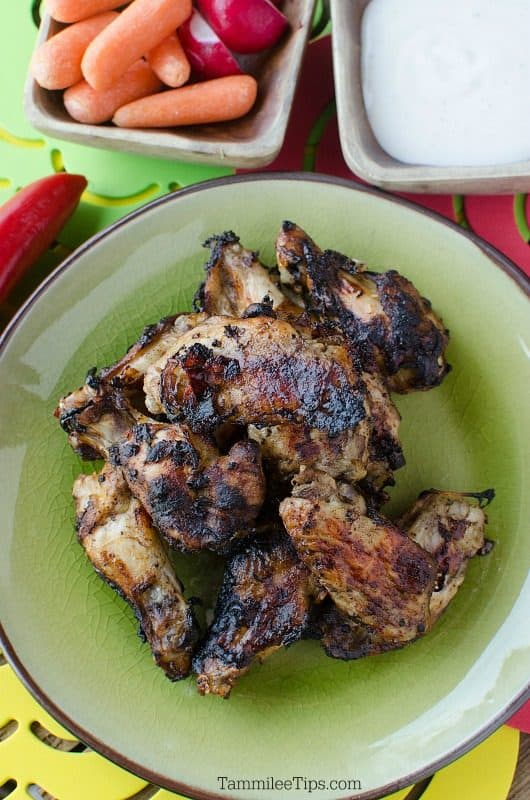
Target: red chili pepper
point(30, 222)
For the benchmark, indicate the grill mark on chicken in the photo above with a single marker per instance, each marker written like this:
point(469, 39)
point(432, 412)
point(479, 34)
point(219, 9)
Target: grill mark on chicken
point(447, 525)
point(371, 570)
point(263, 604)
point(392, 327)
point(124, 549)
point(197, 498)
point(269, 373)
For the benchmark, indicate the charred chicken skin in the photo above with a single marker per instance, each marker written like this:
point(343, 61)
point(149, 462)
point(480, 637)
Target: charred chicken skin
point(344, 637)
point(236, 279)
point(372, 571)
point(367, 454)
point(125, 550)
point(95, 417)
point(447, 525)
point(393, 329)
point(258, 370)
point(197, 498)
point(263, 605)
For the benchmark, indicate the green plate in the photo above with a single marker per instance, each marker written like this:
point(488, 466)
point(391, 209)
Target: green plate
point(382, 721)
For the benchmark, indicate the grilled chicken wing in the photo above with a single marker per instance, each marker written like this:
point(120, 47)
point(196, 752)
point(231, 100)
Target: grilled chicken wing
point(120, 541)
point(263, 605)
point(449, 526)
point(95, 417)
point(371, 570)
point(235, 279)
point(258, 370)
point(392, 327)
point(197, 498)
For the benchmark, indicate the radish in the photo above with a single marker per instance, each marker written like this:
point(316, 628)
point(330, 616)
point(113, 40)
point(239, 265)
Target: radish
point(207, 54)
point(245, 26)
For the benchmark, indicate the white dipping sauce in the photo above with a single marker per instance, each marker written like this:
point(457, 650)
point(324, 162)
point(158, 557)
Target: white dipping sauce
point(447, 82)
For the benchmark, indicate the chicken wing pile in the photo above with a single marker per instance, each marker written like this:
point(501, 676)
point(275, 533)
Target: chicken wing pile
point(261, 427)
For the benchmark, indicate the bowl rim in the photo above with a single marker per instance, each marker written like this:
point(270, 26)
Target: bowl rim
point(499, 260)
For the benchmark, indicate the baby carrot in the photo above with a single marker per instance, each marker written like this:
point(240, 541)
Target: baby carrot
point(75, 10)
point(139, 28)
point(217, 100)
point(87, 105)
point(169, 62)
point(56, 64)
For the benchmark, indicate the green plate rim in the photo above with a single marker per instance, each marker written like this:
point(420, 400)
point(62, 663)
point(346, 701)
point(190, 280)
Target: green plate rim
point(498, 259)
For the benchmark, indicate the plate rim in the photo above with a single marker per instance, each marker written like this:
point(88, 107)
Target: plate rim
point(499, 260)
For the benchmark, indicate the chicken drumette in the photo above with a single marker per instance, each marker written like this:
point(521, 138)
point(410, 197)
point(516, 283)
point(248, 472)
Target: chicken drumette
point(263, 605)
point(123, 546)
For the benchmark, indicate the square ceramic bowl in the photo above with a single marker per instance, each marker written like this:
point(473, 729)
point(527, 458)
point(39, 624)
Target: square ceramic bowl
point(252, 141)
point(363, 154)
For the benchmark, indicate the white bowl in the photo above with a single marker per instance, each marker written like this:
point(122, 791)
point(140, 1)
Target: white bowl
point(363, 154)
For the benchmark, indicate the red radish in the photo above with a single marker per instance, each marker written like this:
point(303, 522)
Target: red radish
point(207, 54)
point(245, 26)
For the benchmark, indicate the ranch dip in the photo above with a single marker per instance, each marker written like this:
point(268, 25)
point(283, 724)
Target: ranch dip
point(447, 82)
